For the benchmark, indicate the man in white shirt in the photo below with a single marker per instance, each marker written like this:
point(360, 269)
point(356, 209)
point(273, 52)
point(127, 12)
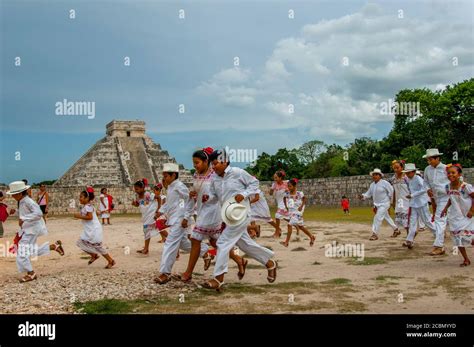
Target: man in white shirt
point(233, 182)
point(418, 204)
point(436, 180)
point(179, 211)
point(381, 191)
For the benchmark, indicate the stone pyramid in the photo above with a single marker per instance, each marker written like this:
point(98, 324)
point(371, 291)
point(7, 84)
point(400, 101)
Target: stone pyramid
point(125, 155)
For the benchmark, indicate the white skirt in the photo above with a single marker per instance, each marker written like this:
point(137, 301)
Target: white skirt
point(88, 247)
point(260, 211)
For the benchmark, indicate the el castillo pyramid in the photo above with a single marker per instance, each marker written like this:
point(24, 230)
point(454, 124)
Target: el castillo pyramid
point(125, 155)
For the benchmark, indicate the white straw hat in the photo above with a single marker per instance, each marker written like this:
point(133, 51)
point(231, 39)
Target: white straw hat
point(376, 171)
point(170, 167)
point(432, 152)
point(17, 187)
point(234, 213)
point(409, 167)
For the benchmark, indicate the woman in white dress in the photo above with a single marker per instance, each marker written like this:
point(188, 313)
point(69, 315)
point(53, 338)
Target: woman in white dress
point(460, 209)
point(104, 206)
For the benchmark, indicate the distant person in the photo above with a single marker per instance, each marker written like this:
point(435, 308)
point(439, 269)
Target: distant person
point(42, 199)
point(278, 190)
point(401, 203)
point(345, 204)
point(104, 206)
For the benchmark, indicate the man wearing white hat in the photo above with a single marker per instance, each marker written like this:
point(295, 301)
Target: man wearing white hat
point(232, 186)
point(179, 209)
point(32, 226)
point(381, 191)
point(436, 180)
point(418, 204)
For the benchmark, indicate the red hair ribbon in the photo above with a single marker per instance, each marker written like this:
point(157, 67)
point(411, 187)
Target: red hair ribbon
point(295, 179)
point(208, 150)
point(158, 186)
point(89, 189)
point(145, 181)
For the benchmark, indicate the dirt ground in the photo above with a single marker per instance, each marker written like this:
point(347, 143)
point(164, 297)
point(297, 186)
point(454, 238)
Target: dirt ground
point(390, 278)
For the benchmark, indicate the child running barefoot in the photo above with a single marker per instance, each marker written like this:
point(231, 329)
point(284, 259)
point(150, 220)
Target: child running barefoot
point(104, 207)
point(91, 238)
point(32, 226)
point(278, 189)
point(294, 203)
point(259, 211)
point(179, 209)
point(160, 221)
point(148, 206)
point(208, 222)
point(460, 209)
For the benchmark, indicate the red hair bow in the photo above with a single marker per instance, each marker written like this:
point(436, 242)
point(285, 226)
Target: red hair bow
point(295, 179)
point(158, 186)
point(89, 189)
point(208, 150)
point(145, 181)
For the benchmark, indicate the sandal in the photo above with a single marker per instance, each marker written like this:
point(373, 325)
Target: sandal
point(28, 278)
point(272, 276)
point(207, 260)
point(58, 247)
point(465, 263)
point(93, 259)
point(311, 243)
point(161, 280)
point(181, 278)
point(396, 233)
point(109, 265)
point(241, 274)
point(409, 244)
point(209, 285)
point(373, 237)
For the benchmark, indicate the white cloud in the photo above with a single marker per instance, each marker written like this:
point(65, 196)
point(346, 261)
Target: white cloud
point(385, 54)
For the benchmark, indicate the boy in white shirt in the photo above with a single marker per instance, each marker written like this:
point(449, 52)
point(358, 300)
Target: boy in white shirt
point(418, 204)
point(381, 191)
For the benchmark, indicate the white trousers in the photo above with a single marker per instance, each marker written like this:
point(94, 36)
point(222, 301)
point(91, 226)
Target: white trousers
point(27, 249)
point(177, 239)
point(232, 236)
point(380, 215)
point(440, 223)
point(416, 215)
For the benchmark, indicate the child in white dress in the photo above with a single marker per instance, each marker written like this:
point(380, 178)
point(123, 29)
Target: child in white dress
point(278, 190)
point(295, 202)
point(104, 206)
point(460, 209)
point(259, 211)
point(91, 237)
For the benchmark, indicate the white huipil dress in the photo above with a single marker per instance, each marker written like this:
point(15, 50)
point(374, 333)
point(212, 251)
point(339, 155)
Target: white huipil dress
point(91, 237)
point(208, 220)
point(461, 226)
point(402, 204)
point(259, 210)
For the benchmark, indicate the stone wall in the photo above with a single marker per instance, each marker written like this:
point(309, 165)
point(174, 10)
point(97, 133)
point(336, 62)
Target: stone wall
point(319, 192)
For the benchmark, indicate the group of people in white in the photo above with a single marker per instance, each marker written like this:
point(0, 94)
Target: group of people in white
point(225, 202)
point(411, 192)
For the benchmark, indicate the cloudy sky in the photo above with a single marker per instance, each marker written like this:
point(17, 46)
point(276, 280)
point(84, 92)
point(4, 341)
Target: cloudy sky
point(320, 74)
